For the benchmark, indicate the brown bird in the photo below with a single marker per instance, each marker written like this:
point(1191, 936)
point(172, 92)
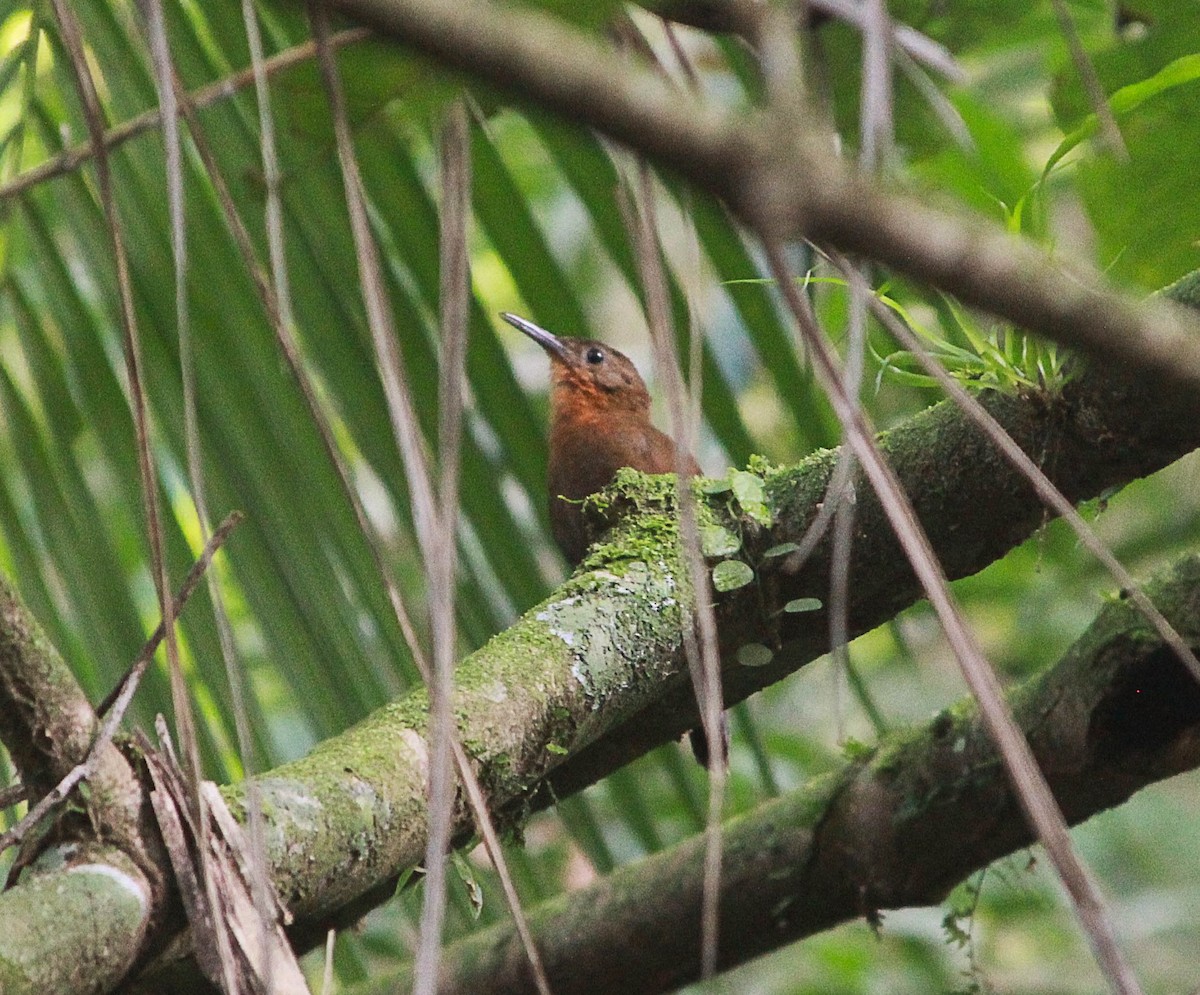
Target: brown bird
point(599, 422)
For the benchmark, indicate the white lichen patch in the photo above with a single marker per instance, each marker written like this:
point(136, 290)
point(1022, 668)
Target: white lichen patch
point(550, 614)
point(420, 751)
point(613, 629)
point(126, 882)
point(285, 795)
point(578, 672)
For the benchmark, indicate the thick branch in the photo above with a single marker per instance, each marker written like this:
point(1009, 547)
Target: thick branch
point(1099, 433)
point(1117, 713)
point(598, 669)
point(785, 184)
point(74, 927)
point(600, 652)
point(46, 722)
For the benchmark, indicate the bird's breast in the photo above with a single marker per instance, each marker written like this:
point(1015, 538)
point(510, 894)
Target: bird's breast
point(585, 455)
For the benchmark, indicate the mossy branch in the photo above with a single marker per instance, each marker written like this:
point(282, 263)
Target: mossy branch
point(595, 675)
point(597, 669)
point(898, 828)
point(81, 898)
point(48, 726)
point(1098, 432)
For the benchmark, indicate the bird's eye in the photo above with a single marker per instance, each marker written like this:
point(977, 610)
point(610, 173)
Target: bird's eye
point(595, 355)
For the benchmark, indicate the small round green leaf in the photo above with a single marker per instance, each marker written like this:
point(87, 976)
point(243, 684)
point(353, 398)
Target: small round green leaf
point(802, 605)
point(747, 487)
point(729, 575)
point(718, 541)
point(754, 655)
point(751, 496)
point(781, 550)
point(715, 485)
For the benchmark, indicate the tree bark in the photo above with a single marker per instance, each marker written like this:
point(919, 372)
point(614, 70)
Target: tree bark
point(776, 171)
point(46, 721)
point(598, 670)
point(899, 828)
point(74, 926)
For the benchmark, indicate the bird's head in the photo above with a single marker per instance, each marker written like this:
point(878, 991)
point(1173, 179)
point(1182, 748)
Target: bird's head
point(587, 372)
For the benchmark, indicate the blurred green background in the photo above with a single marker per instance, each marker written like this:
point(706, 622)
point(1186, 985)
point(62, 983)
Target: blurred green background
point(316, 641)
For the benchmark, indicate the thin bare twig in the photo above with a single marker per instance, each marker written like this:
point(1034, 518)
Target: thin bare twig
point(699, 633)
point(738, 16)
point(390, 362)
point(841, 496)
point(441, 546)
point(71, 159)
point(94, 115)
point(1035, 796)
point(902, 37)
point(120, 697)
point(681, 57)
point(411, 445)
point(270, 157)
point(1046, 491)
point(876, 100)
point(1109, 132)
point(875, 143)
point(165, 79)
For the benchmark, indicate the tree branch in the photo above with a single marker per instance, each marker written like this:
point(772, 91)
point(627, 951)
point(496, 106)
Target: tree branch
point(75, 927)
point(96, 897)
point(1097, 434)
point(786, 184)
point(598, 669)
point(604, 651)
point(1117, 713)
point(47, 724)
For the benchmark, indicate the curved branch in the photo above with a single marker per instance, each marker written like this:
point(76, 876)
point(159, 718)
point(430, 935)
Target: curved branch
point(48, 725)
point(786, 184)
point(1117, 713)
point(75, 927)
point(598, 669)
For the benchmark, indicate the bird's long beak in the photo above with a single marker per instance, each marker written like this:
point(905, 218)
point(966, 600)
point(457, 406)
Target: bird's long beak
point(551, 343)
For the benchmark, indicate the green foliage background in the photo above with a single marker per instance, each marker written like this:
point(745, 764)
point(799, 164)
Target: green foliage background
point(315, 637)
